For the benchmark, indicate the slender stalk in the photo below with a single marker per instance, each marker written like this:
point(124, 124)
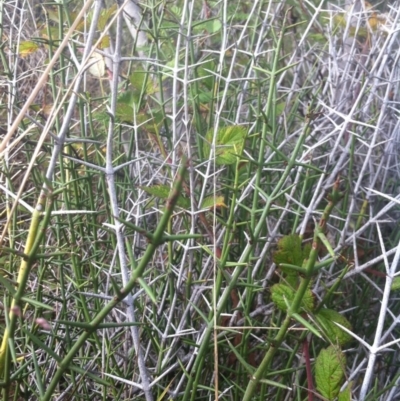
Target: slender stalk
point(295, 307)
point(124, 292)
point(36, 234)
point(269, 113)
point(110, 175)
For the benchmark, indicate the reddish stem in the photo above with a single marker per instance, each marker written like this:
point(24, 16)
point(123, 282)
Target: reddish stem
point(310, 384)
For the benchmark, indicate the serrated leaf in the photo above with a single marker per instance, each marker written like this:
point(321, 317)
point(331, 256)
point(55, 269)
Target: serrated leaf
point(290, 252)
point(176, 10)
point(27, 47)
point(126, 96)
point(228, 143)
point(329, 371)
point(124, 112)
point(137, 80)
point(282, 296)
point(163, 191)
point(292, 280)
point(102, 22)
point(326, 319)
point(105, 15)
point(212, 202)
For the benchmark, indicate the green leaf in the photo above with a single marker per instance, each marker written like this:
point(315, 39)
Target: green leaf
point(211, 26)
point(163, 191)
point(160, 191)
point(345, 395)
point(124, 112)
point(329, 371)
point(208, 79)
point(204, 97)
point(318, 37)
point(105, 42)
point(279, 108)
point(27, 47)
point(137, 80)
point(326, 319)
point(212, 202)
point(126, 96)
point(124, 109)
point(105, 16)
point(176, 10)
point(292, 279)
point(396, 284)
point(289, 252)
point(228, 143)
point(282, 296)
point(151, 123)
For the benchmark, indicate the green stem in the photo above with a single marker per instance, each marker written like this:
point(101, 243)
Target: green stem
point(35, 236)
point(196, 371)
point(270, 113)
point(93, 325)
point(296, 305)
